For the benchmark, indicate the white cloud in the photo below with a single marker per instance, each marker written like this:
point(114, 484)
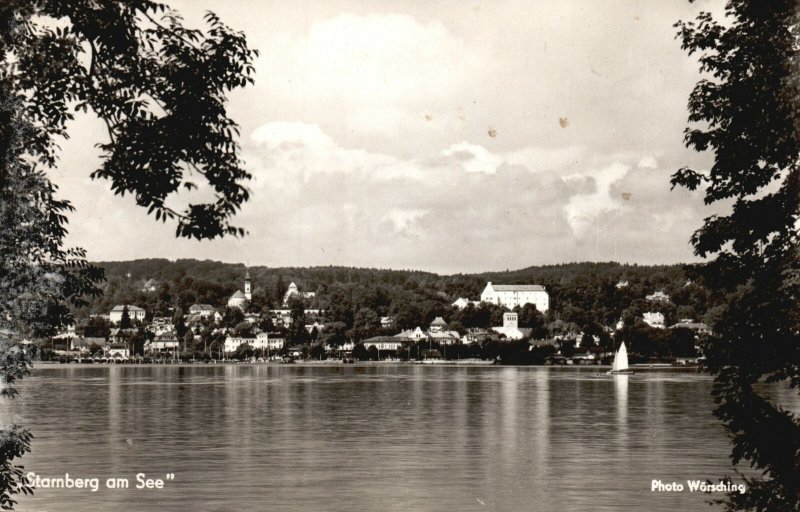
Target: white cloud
point(583, 209)
point(473, 158)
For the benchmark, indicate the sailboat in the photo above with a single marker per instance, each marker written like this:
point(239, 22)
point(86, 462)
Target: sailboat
point(620, 365)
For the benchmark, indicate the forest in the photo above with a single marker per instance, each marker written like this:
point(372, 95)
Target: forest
point(586, 299)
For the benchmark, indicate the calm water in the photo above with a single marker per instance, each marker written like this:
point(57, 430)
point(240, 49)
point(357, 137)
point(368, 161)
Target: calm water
point(373, 438)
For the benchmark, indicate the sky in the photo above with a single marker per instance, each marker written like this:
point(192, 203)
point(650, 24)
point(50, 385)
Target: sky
point(448, 136)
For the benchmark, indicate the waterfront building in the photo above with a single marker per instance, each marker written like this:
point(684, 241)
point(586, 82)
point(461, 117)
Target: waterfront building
point(510, 327)
point(513, 295)
point(164, 344)
point(118, 350)
point(134, 313)
point(384, 342)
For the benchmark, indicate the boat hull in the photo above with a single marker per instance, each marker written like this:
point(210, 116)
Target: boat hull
point(620, 372)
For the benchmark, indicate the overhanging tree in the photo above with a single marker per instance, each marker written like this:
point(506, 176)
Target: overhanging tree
point(161, 90)
point(746, 111)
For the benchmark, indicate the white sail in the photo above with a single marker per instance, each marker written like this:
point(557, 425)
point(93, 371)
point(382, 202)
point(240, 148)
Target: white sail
point(620, 359)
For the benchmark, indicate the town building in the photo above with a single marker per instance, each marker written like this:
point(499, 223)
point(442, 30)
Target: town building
point(688, 323)
point(164, 344)
point(384, 343)
point(622, 284)
point(294, 290)
point(438, 325)
point(445, 337)
point(118, 350)
point(510, 327)
point(462, 303)
point(654, 319)
point(658, 296)
point(134, 313)
point(413, 334)
point(387, 322)
point(513, 295)
point(202, 310)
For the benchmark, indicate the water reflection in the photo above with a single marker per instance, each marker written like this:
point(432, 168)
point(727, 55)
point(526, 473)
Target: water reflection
point(404, 438)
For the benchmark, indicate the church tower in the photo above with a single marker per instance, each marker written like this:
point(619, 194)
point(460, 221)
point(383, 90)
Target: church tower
point(247, 289)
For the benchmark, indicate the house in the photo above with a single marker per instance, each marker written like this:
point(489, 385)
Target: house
point(270, 341)
point(438, 325)
point(445, 337)
point(622, 284)
point(513, 295)
point(384, 342)
point(510, 328)
point(134, 313)
point(202, 310)
point(293, 290)
point(462, 303)
point(118, 335)
point(252, 318)
point(413, 334)
point(118, 350)
point(658, 296)
point(284, 316)
point(161, 325)
point(387, 322)
point(233, 343)
point(316, 325)
point(654, 319)
point(688, 323)
point(163, 344)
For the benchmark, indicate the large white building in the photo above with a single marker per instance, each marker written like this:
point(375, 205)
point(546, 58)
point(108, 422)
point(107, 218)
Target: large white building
point(513, 295)
point(134, 313)
point(511, 328)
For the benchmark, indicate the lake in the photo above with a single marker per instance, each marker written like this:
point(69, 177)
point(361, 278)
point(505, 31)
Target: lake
point(371, 437)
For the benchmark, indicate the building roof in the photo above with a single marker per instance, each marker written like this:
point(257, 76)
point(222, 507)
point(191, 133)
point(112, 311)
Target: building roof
point(238, 295)
point(517, 287)
point(201, 307)
point(130, 308)
point(438, 321)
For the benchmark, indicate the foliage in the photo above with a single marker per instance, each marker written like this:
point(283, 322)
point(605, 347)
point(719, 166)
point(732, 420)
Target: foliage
point(160, 89)
point(745, 111)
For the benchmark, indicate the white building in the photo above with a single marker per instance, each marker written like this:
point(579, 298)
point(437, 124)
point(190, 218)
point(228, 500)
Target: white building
point(162, 344)
point(658, 296)
point(513, 295)
point(262, 341)
point(134, 313)
point(383, 343)
point(414, 334)
point(510, 327)
point(118, 350)
point(294, 290)
point(654, 319)
point(462, 303)
point(269, 341)
point(202, 310)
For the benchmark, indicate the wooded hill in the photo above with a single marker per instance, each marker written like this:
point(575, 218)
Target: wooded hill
point(582, 293)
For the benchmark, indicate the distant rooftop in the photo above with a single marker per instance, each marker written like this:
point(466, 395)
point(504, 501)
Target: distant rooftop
point(517, 287)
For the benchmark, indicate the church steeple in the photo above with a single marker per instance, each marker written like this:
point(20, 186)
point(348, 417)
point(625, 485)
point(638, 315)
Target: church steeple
point(247, 289)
